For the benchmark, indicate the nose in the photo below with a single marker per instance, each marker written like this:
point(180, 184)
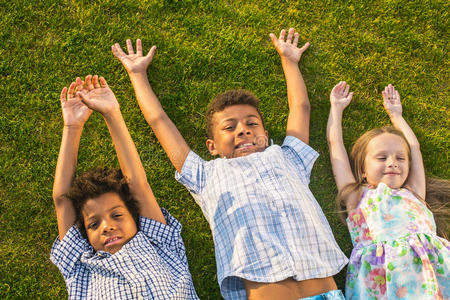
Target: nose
point(242, 129)
point(108, 226)
point(392, 162)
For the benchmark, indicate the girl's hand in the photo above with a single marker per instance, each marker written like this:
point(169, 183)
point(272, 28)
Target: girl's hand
point(288, 49)
point(75, 112)
point(340, 97)
point(133, 62)
point(391, 101)
point(97, 97)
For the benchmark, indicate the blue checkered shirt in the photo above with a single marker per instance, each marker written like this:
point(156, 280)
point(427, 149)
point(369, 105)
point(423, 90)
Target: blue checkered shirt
point(152, 265)
point(266, 224)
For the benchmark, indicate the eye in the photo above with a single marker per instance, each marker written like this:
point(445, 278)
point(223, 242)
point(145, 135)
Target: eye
point(228, 128)
point(381, 158)
point(117, 215)
point(252, 123)
point(93, 225)
point(401, 158)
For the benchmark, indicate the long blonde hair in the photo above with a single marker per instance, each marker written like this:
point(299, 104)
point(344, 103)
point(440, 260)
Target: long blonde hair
point(437, 190)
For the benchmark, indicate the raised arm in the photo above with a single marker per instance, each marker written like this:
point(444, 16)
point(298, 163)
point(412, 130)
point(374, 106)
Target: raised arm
point(75, 115)
point(393, 106)
point(299, 106)
point(99, 97)
point(339, 99)
point(165, 130)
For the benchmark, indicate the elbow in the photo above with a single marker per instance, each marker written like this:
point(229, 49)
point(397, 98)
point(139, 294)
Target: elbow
point(157, 119)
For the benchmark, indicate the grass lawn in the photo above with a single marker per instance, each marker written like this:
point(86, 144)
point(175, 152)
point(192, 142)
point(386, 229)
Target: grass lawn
point(204, 48)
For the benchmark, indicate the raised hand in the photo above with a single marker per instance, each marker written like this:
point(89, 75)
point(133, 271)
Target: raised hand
point(391, 101)
point(340, 97)
point(287, 49)
point(133, 62)
point(97, 95)
point(75, 112)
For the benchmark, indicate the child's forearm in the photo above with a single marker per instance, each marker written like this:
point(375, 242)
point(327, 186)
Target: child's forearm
point(299, 106)
point(416, 176)
point(131, 166)
point(64, 176)
point(338, 154)
point(165, 130)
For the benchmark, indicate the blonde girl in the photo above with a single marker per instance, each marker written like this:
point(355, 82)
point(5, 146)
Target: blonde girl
point(397, 253)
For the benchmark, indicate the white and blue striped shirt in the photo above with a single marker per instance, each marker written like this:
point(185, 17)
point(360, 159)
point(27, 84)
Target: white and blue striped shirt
point(152, 265)
point(266, 224)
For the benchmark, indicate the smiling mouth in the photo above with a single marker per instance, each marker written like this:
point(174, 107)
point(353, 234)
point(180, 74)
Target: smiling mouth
point(112, 240)
point(245, 145)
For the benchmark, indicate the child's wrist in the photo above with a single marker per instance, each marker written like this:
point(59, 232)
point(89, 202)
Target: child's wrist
point(112, 114)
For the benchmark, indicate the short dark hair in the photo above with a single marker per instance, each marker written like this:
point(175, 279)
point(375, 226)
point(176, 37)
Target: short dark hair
point(95, 183)
point(229, 98)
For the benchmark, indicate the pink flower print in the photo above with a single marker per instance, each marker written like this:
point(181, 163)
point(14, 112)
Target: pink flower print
point(357, 218)
point(366, 234)
point(376, 280)
point(401, 292)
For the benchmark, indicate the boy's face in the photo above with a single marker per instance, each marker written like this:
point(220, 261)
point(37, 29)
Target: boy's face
point(109, 225)
point(238, 131)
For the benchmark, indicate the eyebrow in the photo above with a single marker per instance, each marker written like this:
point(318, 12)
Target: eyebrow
point(111, 209)
point(232, 119)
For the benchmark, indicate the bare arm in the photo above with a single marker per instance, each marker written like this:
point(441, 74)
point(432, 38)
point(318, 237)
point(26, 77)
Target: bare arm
point(299, 106)
point(165, 130)
point(393, 106)
point(339, 98)
point(99, 97)
point(75, 114)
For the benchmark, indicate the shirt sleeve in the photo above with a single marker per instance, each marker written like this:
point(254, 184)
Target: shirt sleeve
point(193, 173)
point(301, 155)
point(168, 234)
point(66, 254)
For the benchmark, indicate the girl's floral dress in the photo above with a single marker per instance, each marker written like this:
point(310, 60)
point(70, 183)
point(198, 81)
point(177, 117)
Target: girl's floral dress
point(396, 254)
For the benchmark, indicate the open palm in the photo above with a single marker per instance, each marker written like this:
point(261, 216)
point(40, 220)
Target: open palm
point(75, 112)
point(288, 49)
point(97, 95)
point(340, 96)
point(133, 62)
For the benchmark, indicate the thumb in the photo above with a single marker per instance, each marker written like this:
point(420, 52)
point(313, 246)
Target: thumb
point(151, 53)
point(85, 98)
point(274, 39)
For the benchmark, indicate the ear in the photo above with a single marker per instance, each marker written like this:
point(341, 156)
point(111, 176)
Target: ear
point(267, 137)
point(211, 147)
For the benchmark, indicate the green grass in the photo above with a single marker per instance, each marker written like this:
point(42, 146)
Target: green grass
point(204, 48)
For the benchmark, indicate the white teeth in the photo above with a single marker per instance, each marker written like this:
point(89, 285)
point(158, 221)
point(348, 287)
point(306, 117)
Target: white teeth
point(245, 145)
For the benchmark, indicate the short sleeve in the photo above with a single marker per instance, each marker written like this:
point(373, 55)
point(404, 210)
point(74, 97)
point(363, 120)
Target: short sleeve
point(193, 173)
point(66, 254)
point(301, 155)
point(168, 234)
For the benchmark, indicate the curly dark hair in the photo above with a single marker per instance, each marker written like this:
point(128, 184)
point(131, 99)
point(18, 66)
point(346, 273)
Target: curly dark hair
point(95, 183)
point(229, 98)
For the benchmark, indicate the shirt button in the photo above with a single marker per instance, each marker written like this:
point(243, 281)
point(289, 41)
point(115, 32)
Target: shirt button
point(283, 214)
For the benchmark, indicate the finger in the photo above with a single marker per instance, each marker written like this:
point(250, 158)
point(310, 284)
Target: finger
point(347, 88)
point(84, 98)
point(62, 97)
point(397, 95)
point(151, 53)
point(95, 82)
point(117, 51)
point(130, 47)
point(103, 82)
point(295, 43)
point(305, 46)
point(290, 34)
point(350, 96)
point(88, 83)
point(274, 39)
point(282, 34)
point(71, 90)
point(139, 47)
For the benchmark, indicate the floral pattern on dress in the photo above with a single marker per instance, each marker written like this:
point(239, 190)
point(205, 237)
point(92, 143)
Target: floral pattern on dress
point(396, 254)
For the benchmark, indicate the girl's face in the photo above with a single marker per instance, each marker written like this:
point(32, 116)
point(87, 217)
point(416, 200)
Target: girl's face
point(386, 161)
point(109, 225)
